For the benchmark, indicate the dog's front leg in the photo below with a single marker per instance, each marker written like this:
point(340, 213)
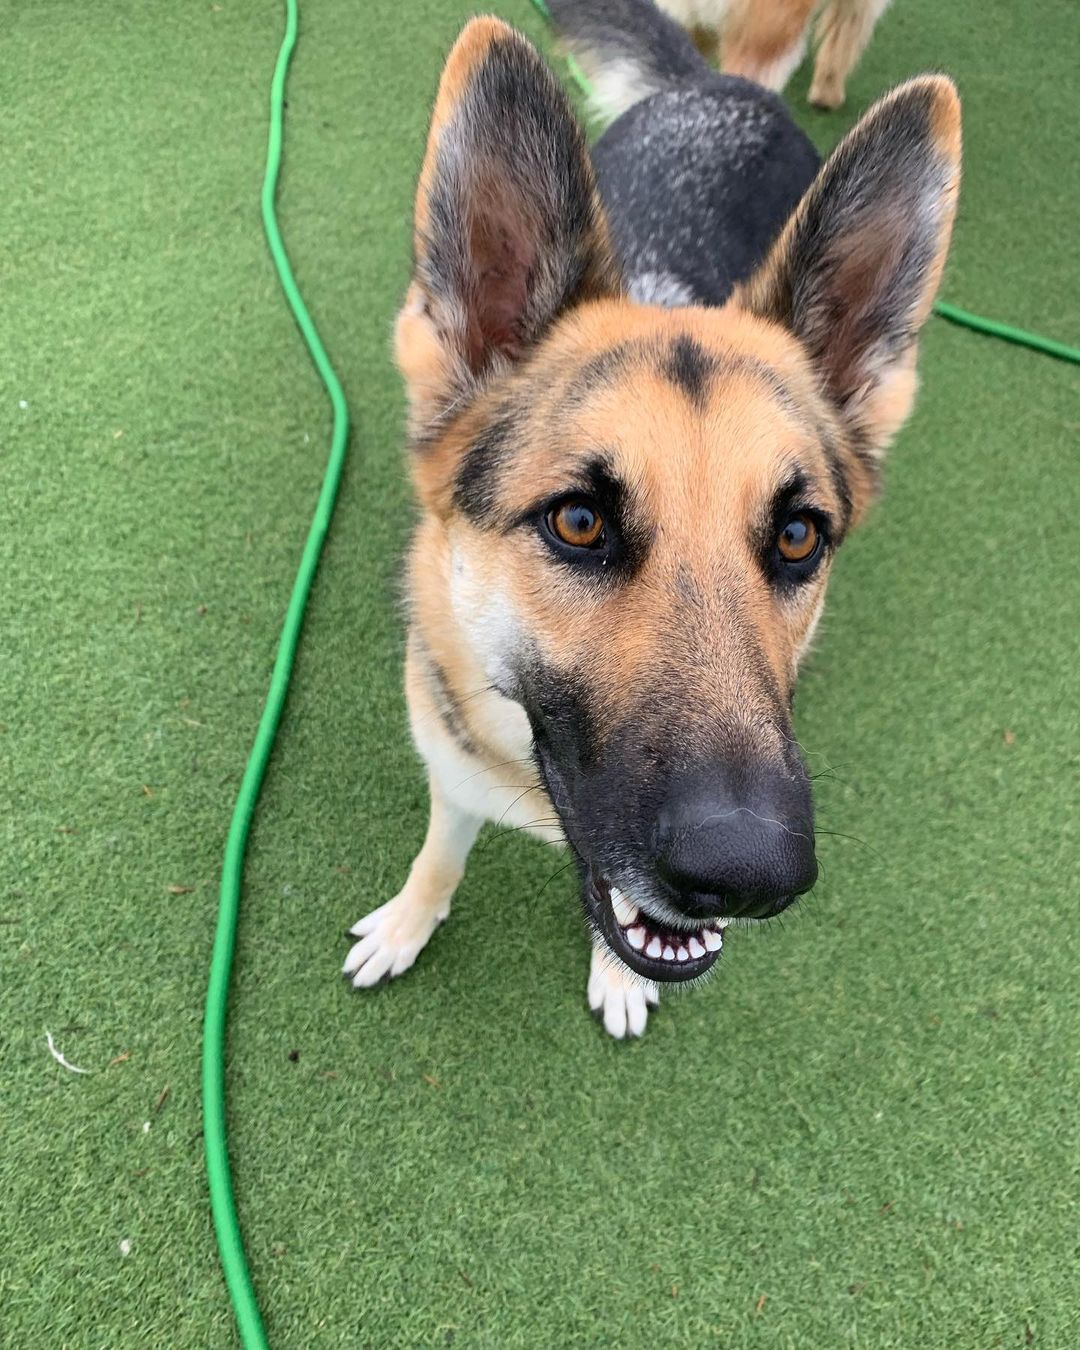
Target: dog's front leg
point(392, 936)
point(618, 997)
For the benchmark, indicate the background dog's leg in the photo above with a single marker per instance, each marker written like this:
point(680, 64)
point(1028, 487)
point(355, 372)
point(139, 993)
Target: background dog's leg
point(392, 936)
point(765, 42)
point(619, 998)
point(843, 30)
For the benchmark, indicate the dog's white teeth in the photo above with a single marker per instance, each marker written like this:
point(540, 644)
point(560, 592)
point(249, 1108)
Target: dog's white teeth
point(674, 947)
point(625, 910)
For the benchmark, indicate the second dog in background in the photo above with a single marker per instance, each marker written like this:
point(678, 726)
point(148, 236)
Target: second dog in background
point(765, 40)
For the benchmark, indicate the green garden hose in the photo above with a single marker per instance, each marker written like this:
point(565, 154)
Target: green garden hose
point(222, 1204)
point(993, 328)
point(223, 1207)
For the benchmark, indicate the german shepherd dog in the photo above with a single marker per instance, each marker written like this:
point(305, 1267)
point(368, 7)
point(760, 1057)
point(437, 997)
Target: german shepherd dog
point(644, 413)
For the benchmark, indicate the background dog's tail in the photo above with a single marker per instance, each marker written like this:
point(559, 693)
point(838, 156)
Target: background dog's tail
point(627, 49)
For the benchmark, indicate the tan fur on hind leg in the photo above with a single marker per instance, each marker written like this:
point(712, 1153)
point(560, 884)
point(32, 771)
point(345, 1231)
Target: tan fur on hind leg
point(843, 31)
point(765, 42)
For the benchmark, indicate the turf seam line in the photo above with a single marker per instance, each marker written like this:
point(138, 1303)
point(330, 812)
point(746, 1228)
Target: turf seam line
point(219, 1178)
point(953, 313)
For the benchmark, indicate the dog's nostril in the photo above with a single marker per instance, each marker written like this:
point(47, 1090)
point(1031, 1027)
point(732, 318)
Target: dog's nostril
point(739, 874)
point(747, 854)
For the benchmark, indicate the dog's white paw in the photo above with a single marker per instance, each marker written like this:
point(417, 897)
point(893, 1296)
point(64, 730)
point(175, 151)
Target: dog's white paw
point(391, 938)
point(619, 998)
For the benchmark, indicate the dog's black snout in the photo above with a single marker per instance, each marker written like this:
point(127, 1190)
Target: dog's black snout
point(737, 846)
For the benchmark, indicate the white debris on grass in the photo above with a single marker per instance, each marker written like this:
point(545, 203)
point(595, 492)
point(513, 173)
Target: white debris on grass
point(59, 1057)
point(125, 1246)
point(23, 404)
point(146, 1127)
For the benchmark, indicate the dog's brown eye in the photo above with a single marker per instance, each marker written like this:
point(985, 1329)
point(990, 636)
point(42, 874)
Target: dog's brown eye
point(578, 524)
point(798, 539)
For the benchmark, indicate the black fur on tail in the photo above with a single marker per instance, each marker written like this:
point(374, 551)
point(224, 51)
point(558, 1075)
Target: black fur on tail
point(628, 50)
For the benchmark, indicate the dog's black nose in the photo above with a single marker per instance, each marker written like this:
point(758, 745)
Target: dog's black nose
point(737, 844)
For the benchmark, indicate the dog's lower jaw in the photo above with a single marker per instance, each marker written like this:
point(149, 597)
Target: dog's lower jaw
point(653, 949)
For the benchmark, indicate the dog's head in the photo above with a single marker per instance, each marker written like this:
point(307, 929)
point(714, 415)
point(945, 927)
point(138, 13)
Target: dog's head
point(641, 505)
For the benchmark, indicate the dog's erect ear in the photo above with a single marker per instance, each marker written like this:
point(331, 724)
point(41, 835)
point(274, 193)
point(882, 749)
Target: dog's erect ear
point(509, 230)
point(855, 271)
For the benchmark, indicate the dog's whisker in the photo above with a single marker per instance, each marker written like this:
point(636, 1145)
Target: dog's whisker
point(540, 821)
point(476, 693)
point(557, 873)
point(490, 768)
point(829, 773)
point(459, 699)
point(839, 834)
point(514, 803)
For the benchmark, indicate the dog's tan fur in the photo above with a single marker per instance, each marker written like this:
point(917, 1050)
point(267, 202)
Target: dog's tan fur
point(705, 467)
point(704, 471)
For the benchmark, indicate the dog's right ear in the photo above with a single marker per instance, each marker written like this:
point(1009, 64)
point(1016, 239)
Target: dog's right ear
point(509, 232)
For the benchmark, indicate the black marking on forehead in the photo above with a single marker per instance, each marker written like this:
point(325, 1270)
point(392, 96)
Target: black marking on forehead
point(599, 371)
point(692, 368)
point(689, 367)
point(685, 363)
point(477, 482)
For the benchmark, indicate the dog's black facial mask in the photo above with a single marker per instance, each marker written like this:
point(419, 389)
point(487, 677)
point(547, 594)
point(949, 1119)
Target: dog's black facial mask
point(676, 829)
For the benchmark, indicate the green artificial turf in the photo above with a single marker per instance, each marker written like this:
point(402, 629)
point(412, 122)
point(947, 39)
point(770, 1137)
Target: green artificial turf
point(863, 1133)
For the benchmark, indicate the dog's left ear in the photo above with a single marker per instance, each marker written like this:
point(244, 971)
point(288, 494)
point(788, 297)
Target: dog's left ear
point(509, 232)
point(855, 271)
